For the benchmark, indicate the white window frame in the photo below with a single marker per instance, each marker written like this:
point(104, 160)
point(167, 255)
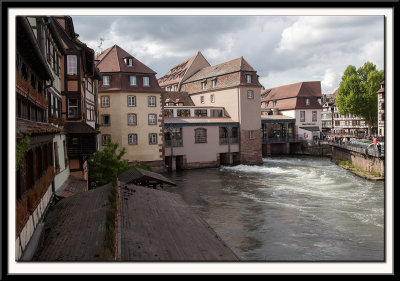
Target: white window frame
point(72, 64)
point(109, 120)
point(213, 83)
point(151, 101)
point(73, 106)
point(248, 78)
point(203, 85)
point(131, 101)
point(132, 139)
point(152, 119)
point(202, 99)
point(250, 94)
point(307, 101)
point(106, 80)
point(105, 101)
point(132, 80)
point(146, 81)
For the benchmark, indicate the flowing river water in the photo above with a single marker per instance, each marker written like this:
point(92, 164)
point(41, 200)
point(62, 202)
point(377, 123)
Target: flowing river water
point(289, 209)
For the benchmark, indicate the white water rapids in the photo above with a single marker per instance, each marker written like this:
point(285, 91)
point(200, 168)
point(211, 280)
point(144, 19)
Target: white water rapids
point(289, 209)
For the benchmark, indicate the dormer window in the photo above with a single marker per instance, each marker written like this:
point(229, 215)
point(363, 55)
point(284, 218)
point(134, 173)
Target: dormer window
point(203, 85)
point(307, 101)
point(213, 83)
point(128, 61)
point(106, 80)
point(146, 81)
point(175, 88)
point(248, 78)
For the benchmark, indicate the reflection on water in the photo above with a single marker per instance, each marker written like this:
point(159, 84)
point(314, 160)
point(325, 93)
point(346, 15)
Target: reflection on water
point(289, 209)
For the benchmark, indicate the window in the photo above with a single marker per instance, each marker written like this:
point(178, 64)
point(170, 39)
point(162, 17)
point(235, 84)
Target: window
point(105, 120)
point(146, 81)
point(314, 116)
point(217, 113)
point(72, 65)
point(212, 98)
point(132, 119)
point(200, 135)
point(132, 80)
point(202, 99)
point(131, 100)
point(105, 101)
point(302, 116)
point(104, 139)
point(128, 61)
point(106, 80)
point(168, 112)
point(200, 112)
point(152, 119)
point(319, 101)
point(132, 138)
point(152, 101)
point(177, 139)
point(307, 101)
point(213, 83)
point(183, 113)
point(73, 108)
point(248, 78)
point(169, 88)
point(251, 134)
point(274, 103)
point(152, 138)
point(203, 85)
point(250, 95)
point(176, 88)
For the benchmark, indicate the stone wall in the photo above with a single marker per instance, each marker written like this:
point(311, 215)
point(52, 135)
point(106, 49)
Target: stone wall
point(368, 163)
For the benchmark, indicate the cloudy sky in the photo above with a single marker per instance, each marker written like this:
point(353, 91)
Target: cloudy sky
point(283, 49)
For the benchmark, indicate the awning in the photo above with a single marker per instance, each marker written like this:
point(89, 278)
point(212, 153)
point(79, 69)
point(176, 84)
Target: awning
point(314, 128)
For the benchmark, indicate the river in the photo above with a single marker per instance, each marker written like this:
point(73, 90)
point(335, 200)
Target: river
point(289, 209)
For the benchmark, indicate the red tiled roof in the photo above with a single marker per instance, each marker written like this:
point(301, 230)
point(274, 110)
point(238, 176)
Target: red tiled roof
point(112, 60)
point(180, 96)
point(381, 90)
point(175, 74)
point(300, 89)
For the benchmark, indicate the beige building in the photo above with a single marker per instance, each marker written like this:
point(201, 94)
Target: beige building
point(130, 107)
point(233, 86)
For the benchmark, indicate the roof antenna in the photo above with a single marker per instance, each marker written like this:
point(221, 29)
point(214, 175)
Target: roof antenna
point(101, 43)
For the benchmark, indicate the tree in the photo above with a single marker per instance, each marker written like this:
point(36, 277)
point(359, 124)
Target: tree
point(107, 164)
point(357, 92)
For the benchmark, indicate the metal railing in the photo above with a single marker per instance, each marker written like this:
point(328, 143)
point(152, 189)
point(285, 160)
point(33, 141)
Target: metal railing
point(176, 143)
point(366, 151)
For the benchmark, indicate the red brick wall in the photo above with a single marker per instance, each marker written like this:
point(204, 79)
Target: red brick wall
point(250, 149)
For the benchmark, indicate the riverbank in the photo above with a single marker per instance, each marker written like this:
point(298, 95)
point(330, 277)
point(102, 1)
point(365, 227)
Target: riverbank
point(358, 171)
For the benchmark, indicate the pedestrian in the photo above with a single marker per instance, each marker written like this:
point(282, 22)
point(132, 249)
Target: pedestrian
point(379, 147)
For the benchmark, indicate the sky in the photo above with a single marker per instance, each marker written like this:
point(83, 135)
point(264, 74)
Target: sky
point(282, 49)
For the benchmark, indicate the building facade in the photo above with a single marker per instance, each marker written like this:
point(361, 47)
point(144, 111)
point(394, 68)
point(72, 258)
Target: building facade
point(302, 101)
point(344, 124)
point(234, 86)
point(381, 110)
point(79, 82)
point(131, 107)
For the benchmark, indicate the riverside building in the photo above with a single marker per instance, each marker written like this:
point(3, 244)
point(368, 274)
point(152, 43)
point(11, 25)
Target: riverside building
point(130, 107)
point(224, 124)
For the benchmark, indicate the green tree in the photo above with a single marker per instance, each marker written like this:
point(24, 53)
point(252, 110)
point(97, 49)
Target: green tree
point(357, 92)
point(105, 165)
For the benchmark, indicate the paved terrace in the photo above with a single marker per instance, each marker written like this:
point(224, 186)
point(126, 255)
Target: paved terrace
point(153, 225)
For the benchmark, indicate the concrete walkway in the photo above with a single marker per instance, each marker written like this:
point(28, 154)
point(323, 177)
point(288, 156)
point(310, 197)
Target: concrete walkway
point(155, 225)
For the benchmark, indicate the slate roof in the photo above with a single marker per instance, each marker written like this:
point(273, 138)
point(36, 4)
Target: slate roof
point(239, 64)
point(177, 97)
point(134, 175)
point(28, 127)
